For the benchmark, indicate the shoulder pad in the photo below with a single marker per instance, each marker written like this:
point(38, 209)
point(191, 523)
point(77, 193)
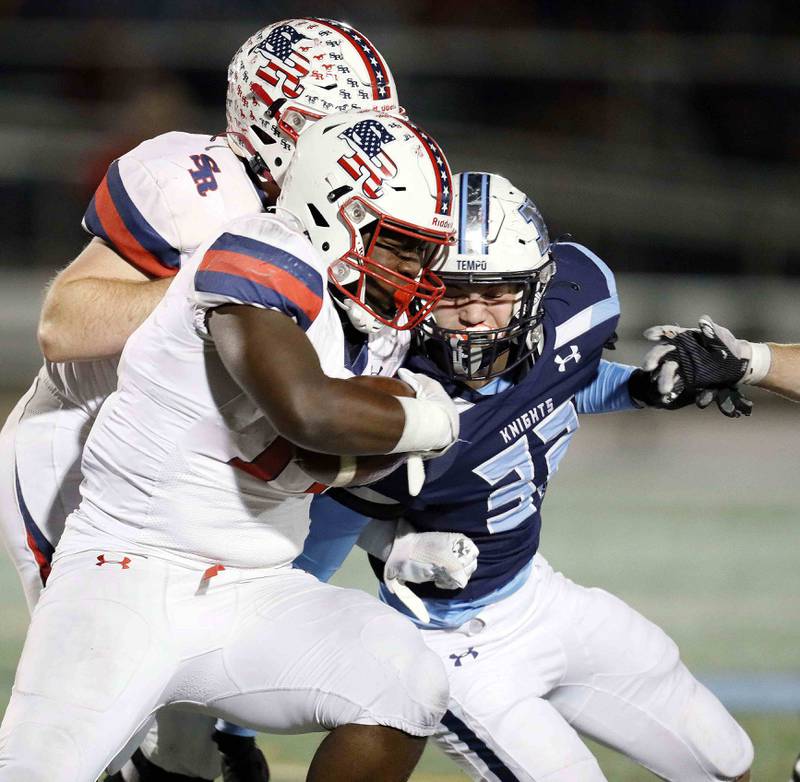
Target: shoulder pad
point(263, 261)
point(158, 202)
point(579, 264)
point(581, 295)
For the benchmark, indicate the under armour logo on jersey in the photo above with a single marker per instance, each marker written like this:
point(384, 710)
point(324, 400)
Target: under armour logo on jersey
point(101, 560)
point(562, 360)
point(369, 165)
point(203, 173)
point(459, 657)
point(282, 61)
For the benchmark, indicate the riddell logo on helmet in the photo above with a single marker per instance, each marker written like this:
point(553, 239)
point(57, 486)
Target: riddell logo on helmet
point(442, 222)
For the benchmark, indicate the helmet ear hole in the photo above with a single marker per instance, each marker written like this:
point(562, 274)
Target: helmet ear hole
point(263, 136)
point(338, 192)
point(275, 106)
point(317, 216)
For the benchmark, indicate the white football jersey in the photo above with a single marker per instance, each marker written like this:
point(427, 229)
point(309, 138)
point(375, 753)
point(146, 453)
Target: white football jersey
point(155, 206)
point(180, 461)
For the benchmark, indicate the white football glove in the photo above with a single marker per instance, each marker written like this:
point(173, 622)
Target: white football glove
point(432, 425)
point(446, 558)
point(757, 354)
point(656, 361)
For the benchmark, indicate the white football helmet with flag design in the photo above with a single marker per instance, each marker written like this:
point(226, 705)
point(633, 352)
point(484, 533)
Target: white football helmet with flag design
point(358, 180)
point(501, 239)
point(291, 73)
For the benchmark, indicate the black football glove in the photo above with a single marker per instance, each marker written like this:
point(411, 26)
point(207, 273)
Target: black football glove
point(702, 365)
point(645, 387)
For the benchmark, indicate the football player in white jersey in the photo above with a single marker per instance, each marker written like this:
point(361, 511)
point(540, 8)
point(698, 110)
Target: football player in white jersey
point(534, 660)
point(173, 580)
point(153, 209)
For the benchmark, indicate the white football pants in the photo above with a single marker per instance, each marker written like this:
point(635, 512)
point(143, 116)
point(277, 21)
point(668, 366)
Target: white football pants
point(117, 635)
point(556, 659)
point(41, 444)
point(40, 457)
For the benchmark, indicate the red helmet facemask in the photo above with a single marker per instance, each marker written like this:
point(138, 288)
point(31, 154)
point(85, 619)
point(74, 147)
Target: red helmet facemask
point(413, 298)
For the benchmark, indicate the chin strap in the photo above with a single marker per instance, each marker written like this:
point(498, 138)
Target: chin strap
point(256, 165)
point(362, 321)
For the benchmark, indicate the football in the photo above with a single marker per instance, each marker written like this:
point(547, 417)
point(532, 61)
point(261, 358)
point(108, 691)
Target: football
point(326, 468)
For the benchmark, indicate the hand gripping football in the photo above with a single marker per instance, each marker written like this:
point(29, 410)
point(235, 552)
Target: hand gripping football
point(333, 470)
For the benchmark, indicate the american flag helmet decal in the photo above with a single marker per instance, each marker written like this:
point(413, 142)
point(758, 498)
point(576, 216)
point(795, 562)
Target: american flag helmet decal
point(379, 74)
point(280, 42)
point(369, 164)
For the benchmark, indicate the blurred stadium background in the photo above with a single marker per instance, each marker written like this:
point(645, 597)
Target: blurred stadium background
point(664, 135)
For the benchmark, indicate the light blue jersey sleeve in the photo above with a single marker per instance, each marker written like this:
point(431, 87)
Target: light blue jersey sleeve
point(608, 393)
point(333, 533)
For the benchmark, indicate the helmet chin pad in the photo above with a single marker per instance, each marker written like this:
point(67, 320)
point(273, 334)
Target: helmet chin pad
point(359, 317)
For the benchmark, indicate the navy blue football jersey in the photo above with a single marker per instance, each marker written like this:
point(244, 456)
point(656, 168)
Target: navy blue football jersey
point(491, 484)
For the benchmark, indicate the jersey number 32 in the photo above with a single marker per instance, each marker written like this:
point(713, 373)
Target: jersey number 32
point(517, 460)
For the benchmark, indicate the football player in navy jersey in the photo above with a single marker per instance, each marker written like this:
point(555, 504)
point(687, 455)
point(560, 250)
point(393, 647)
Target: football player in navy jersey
point(535, 661)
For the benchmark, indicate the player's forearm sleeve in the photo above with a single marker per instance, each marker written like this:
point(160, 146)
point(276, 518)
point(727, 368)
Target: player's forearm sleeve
point(608, 393)
point(333, 533)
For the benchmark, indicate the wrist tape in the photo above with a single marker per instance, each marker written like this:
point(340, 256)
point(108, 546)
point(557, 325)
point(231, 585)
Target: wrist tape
point(759, 364)
point(427, 428)
point(347, 471)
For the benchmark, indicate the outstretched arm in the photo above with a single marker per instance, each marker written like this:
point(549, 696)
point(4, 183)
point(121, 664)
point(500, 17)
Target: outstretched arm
point(609, 392)
point(710, 362)
point(94, 304)
point(783, 376)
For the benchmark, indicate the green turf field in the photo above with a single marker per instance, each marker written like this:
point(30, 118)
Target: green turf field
point(691, 518)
